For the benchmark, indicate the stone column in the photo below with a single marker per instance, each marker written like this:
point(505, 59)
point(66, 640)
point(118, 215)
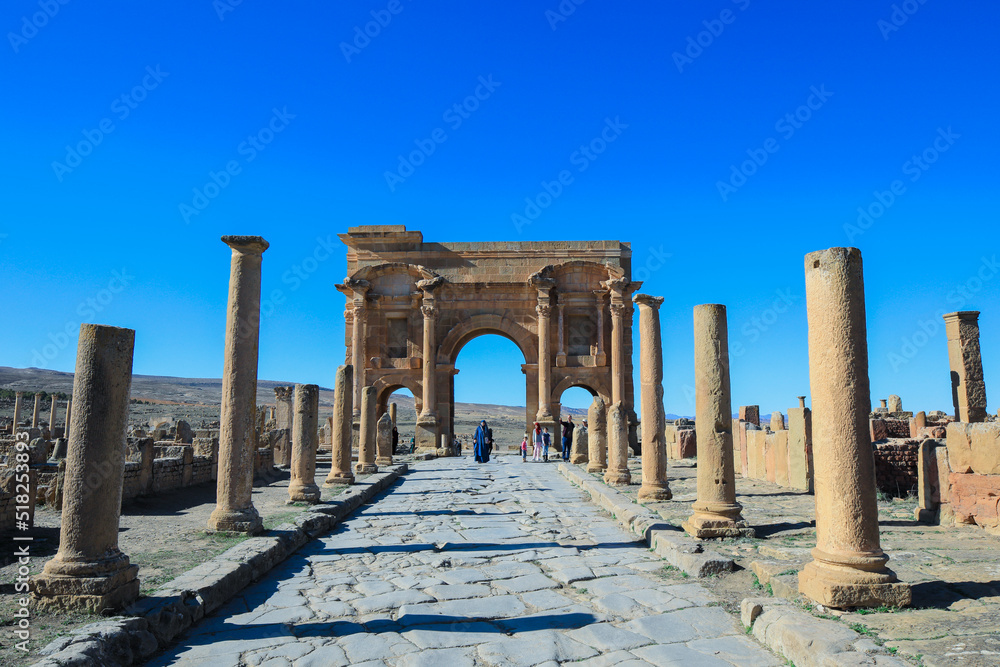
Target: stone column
point(366, 446)
point(544, 311)
point(849, 567)
point(561, 333)
point(617, 473)
point(392, 415)
point(37, 411)
point(342, 433)
point(427, 420)
point(357, 291)
point(777, 422)
point(597, 436)
point(89, 571)
point(600, 327)
point(234, 509)
point(52, 417)
point(968, 388)
point(579, 452)
point(384, 439)
point(654, 444)
point(302, 486)
point(17, 411)
point(617, 352)
point(716, 512)
point(283, 407)
point(69, 414)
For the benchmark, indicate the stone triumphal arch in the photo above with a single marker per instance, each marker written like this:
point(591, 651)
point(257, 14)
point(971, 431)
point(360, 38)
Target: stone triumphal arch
point(565, 304)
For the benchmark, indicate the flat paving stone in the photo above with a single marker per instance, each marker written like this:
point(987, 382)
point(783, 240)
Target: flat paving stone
point(461, 565)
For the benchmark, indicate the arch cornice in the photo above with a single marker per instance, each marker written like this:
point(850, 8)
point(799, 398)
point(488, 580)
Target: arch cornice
point(374, 271)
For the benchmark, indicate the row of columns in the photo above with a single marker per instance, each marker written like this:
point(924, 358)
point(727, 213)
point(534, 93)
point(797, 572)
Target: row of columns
point(18, 396)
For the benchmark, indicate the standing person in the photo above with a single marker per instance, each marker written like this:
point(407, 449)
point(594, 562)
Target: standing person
point(524, 449)
point(546, 441)
point(567, 436)
point(395, 438)
point(482, 443)
point(536, 438)
point(457, 444)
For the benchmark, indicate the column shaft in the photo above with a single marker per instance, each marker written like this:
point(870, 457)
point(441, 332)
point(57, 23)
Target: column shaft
point(305, 421)
point(597, 436)
point(17, 411)
point(366, 446)
point(968, 387)
point(654, 446)
point(544, 415)
point(37, 411)
point(849, 567)
point(617, 473)
point(342, 433)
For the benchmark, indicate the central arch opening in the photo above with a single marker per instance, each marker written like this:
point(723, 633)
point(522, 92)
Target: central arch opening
point(489, 384)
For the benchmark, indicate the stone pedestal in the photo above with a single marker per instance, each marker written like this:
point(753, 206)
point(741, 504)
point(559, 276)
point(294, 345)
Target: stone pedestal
point(716, 512)
point(597, 436)
point(968, 387)
point(654, 444)
point(234, 511)
point(305, 420)
point(617, 473)
point(366, 446)
point(342, 434)
point(579, 452)
point(283, 407)
point(849, 566)
point(89, 571)
point(384, 439)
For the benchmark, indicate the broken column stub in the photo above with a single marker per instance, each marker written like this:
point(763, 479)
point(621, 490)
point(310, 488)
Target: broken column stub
point(89, 571)
point(849, 567)
point(716, 512)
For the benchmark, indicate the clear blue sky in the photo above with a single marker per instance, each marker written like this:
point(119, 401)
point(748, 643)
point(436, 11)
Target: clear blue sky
point(198, 81)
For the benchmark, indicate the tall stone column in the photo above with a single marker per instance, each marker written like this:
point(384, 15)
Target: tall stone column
point(849, 567)
point(597, 436)
point(89, 571)
point(716, 512)
point(37, 411)
point(968, 388)
point(234, 509)
point(383, 439)
point(366, 446)
point(617, 473)
point(428, 420)
point(654, 444)
point(17, 411)
point(69, 414)
point(600, 327)
point(343, 428)
point(53, 415)
point(305, 421)
point(617, 352)
point(283, 407)
point(544, 312)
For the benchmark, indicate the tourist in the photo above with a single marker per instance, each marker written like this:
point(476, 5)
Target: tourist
point(567, 436)
point(413, 444)
point(536, 438)
point(546, 441)
point(524, 449)
point(457, 444)
point(482, 443)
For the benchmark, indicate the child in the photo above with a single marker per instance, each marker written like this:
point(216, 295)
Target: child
point(537, 439)
point(524, 449)
point(546, 441)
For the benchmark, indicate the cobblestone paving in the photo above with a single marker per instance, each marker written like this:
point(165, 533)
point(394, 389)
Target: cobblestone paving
point(463, 564)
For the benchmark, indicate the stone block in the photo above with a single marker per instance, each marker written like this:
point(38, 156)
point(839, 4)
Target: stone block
point(985, 445)
point(959, 447)
point(781, 458)
point(687, 443)
point(975, 499)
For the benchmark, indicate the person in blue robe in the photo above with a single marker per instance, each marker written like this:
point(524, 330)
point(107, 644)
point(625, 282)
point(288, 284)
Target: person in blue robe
point(482, 443)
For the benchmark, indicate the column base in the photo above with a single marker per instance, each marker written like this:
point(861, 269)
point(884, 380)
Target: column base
point(245, 521)
point(365, 468)
point(717, 519)
point(442, 452)
point(339, 478)
point(845, 587)
point(426, 432)
point(304, 493)
point(617, 477)
point(595, 466)
point(655, 492)
point(383, 461)
point(96, 589)
point(577, 459)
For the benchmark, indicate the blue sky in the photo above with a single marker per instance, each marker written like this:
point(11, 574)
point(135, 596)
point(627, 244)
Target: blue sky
point(748, 134)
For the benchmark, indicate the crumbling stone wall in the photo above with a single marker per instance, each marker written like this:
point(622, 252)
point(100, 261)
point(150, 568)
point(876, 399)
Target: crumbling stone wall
point(896, 466)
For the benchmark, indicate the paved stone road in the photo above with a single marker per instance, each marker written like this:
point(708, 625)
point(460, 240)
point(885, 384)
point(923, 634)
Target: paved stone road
point(458, 564)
